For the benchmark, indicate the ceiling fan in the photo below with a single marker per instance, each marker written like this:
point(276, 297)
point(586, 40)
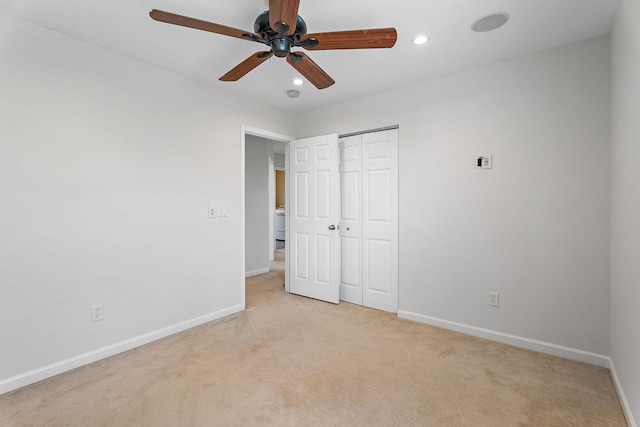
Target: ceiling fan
point(281, 28)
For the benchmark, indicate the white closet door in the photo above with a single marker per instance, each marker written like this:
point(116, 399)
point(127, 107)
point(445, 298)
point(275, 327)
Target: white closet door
point(351, 219)
point(380, 220)
point(314, 212)
point(369, 220)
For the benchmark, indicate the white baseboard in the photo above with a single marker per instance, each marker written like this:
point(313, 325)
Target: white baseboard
point(530, 344)
point(18, 381)
point(514, 340)
point(257, 272)
point(623, 398)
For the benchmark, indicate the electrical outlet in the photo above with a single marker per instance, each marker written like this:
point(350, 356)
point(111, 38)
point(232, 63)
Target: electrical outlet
point(97, 312)
point(494, 299)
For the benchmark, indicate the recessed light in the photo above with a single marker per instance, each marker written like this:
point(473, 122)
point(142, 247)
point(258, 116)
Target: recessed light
point(490, 22)
point(420, 40)
point(298, 82)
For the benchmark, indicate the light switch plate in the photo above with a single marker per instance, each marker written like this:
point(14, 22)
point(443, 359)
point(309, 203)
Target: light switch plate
point(213, 210)
point(485, 162)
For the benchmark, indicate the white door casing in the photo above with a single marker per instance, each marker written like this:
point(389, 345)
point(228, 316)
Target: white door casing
point(369, 220)
point(314, 210)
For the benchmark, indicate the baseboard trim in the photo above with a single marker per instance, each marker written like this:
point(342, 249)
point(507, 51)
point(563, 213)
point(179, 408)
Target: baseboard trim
point(514, 340)
point(257, 272)
point(31, 377)
point(623, 398)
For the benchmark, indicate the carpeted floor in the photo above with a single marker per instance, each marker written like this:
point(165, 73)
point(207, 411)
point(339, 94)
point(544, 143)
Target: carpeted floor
point(292, 361)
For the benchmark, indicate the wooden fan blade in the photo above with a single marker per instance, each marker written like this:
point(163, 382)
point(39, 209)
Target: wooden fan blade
point(310, 70)
point(283, 12)
point(184, 21)
point(354, 39)
point(245, 66)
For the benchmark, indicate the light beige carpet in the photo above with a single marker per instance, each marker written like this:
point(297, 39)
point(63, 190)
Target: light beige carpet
point(292, 361)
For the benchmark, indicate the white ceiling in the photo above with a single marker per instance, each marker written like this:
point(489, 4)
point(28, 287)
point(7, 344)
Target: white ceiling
point(125, 26)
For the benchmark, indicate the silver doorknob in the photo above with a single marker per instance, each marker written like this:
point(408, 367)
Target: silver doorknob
point(348, 228)
point(332, 227)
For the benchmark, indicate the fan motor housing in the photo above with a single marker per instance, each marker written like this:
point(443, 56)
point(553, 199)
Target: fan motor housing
point(263, 28)
point(280, 45)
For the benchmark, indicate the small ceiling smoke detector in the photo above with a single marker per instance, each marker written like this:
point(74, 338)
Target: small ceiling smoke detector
point(293, 93)
point(490, 22)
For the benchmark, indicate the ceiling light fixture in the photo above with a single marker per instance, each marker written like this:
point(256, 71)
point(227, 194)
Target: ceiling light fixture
point(490, 22)
point(298, 82)
point(420, 40)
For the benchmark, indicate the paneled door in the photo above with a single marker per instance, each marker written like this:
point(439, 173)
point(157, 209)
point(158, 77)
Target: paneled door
point(369, 220)
point(314, 209)
point(351, 219)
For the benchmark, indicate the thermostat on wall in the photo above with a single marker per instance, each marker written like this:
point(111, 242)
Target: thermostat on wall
point(484, 162)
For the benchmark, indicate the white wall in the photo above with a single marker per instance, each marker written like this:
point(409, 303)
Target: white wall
point(278, 160)
point(535, 227)
point(107, 167)
point(257, 207)
point(625, 202)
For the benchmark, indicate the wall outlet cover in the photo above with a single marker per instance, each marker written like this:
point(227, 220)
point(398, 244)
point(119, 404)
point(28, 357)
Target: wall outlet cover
point(97, 312)
point(494, 299)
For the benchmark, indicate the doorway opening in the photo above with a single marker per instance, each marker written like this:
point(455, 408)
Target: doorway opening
point(263, 153)
point(331, 246)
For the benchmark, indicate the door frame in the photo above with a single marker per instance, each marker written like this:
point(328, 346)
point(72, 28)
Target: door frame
point(248, 130)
